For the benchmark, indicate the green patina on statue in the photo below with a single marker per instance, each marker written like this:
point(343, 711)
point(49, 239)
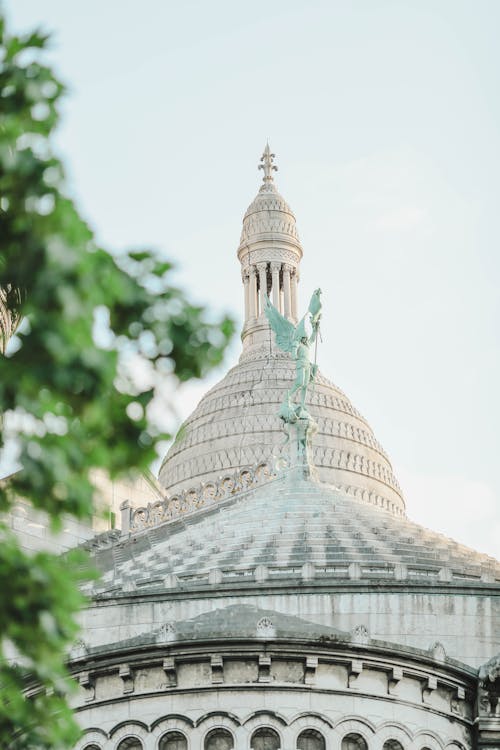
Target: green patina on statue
point(295, 341)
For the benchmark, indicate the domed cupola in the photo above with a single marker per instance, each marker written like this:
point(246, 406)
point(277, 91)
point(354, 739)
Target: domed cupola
point(269, 253)
point(269, 224)
point(236, 427)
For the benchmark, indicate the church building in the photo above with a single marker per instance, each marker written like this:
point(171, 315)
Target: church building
point(273, 594)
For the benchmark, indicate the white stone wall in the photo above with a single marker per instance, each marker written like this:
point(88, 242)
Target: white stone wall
point(33, 530)
point(32, 526)
point(466, 625)
point(412, 711)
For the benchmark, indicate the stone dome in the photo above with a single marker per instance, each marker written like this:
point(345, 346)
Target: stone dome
point(269, 233)
point(278, 596)
point(268, 214)
point(236, 425)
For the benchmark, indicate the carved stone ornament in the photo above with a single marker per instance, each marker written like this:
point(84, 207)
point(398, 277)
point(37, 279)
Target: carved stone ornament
point(78, 650)
point(201, 496)
point(489, 687)
point(167, 633)
point(265, 628)
point(87, 682)
point(267, 164)
point(360, 635)
point(278, 254)
point(489, 673)
point(438, 652)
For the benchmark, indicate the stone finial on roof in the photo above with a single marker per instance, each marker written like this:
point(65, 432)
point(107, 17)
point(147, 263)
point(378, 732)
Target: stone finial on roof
point(267, 165)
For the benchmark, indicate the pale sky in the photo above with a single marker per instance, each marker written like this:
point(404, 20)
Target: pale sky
point(385, 119)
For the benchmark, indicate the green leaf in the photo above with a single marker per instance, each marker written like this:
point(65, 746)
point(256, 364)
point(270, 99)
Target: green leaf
point(55, 278)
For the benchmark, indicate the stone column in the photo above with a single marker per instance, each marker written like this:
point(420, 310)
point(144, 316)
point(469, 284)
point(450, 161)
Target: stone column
point(246, 287)
point(252, 307)
point(262, 269)
point(286, 290)
point(275, 270)
point(294, 280)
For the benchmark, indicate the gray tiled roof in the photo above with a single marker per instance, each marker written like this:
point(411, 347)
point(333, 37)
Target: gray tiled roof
point(289, 530)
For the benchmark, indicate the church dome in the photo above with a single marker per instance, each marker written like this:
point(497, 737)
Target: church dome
point(269, 233)
point(277, 596)
point(236, 425)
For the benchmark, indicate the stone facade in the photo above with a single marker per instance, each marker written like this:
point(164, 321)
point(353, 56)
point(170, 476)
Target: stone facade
point(320, 692)
point(32, 527)
point(247, 605)
point(289, 606)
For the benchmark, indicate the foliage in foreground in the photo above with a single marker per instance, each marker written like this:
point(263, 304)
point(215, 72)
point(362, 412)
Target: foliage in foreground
point(70, 404)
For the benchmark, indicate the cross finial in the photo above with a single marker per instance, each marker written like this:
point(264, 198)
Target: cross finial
point(267, 165)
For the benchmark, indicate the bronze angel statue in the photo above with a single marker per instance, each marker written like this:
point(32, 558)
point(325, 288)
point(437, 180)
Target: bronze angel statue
point(295, 341)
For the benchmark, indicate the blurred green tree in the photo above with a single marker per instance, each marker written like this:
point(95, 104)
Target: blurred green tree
point(67, 397)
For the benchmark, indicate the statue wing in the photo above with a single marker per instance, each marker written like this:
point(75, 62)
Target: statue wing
point(284, 330)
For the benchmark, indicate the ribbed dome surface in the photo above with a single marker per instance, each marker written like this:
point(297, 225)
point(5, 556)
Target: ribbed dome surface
point(235, 425)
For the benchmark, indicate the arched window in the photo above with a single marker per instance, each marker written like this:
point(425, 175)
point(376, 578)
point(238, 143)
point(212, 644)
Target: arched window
point(392, 745)
point(219, 739)
point(265, 739)
point(130, 743)
point(92, 747)
point(354, 742)
point(310, 739)
point(173, 741)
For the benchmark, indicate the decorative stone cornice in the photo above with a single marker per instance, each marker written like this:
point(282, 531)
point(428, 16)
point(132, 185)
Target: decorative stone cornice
point(327, 671)
point(200, 496)
point(205, 495)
